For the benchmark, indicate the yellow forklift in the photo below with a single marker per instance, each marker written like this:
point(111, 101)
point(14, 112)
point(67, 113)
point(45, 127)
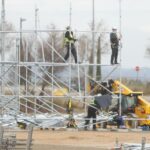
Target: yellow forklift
point(132, 104)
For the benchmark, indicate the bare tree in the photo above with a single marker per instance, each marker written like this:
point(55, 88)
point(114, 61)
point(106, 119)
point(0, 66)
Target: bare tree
point(9, 38)
point(85, 42)
point(9, 46)
point(53, 46)
point(26, 56)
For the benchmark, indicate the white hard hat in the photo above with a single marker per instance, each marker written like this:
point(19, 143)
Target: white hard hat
point(68, 27)
point(114, 28)
point(99, 94)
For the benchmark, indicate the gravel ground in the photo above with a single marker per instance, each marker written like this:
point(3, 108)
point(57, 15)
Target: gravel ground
point(82, 140)
point(63, 147)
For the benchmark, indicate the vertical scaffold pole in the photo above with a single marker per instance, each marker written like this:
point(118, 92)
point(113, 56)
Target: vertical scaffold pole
point(70, 22)
point(143, 143)
point(35, 50)
point(20, 51)
point(85, 74)
point(120, 49)
point(52, 75)
point(78, 68)
point(17, 76)
point(29, 138)
point(1, 135)
point(70, 13)
point(2, 47)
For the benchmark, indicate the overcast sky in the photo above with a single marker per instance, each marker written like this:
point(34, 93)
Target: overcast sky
point(135, 21)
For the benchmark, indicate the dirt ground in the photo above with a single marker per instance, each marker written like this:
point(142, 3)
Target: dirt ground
point(82, 140)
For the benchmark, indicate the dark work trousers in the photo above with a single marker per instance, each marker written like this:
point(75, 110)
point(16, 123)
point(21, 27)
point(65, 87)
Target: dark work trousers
point(114, 55)
point(73, 51)
point(91, 114)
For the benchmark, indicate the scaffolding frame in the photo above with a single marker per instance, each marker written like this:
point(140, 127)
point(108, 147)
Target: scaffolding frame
point(18, 94)
point(24, 95)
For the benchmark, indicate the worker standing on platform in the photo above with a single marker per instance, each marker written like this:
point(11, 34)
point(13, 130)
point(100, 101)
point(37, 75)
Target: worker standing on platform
point(92, 112)
point(70, 44)
point(114, 40)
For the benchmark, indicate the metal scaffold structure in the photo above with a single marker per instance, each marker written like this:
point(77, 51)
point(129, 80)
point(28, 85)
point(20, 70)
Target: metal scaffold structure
point(18, 85)
point(33, 85)
point(36, 79)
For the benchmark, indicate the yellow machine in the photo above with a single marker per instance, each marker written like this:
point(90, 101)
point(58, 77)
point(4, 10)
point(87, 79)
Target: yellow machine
point(133, 103)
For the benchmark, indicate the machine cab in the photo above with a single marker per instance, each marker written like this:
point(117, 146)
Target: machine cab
point(128, 104)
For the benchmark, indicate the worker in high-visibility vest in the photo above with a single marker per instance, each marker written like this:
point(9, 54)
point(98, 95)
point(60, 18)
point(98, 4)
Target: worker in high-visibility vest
point(69, 107)
point(69, 44)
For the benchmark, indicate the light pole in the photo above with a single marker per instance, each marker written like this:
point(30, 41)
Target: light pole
point(93, 40)
point(70, 13)
point(36, 20)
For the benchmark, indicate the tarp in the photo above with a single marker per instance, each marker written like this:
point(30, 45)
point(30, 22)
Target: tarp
point(103, 101)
